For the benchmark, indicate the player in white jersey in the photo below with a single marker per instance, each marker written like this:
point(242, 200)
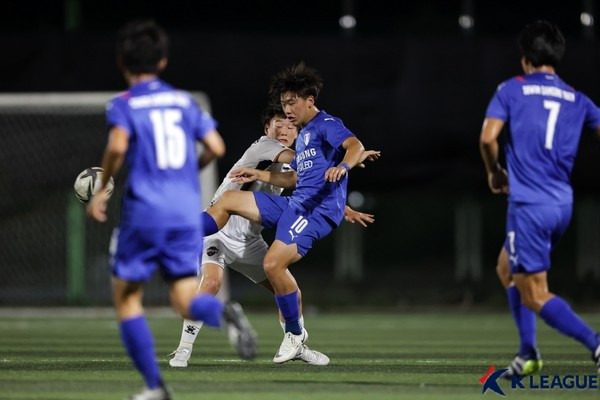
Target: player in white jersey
point(240, 244)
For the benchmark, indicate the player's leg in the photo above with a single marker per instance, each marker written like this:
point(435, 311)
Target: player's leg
point(179, 256)
point(267, 285)
point(538, 229)
point(555, 311)
point(210, 283)
point(136, 335)
point(133, 252)
point(528, 360)
point(307, 354)
point(232, 202)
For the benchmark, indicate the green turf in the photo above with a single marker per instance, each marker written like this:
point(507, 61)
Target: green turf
point(395, 356)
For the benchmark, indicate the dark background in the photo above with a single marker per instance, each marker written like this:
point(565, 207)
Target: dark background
point(408, 80)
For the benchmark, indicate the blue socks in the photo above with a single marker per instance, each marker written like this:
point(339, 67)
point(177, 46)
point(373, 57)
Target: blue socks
point(525, 321)
point(208, 309)
point(557, 313)
point(209, 224)
point(288, 305)
point(137, 340)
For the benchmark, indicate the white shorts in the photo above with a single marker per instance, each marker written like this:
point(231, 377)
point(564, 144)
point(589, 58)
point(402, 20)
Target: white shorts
point(245, 256)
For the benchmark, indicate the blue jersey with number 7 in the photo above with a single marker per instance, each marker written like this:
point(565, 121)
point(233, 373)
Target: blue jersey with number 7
point(546, 117)
point(163, 124)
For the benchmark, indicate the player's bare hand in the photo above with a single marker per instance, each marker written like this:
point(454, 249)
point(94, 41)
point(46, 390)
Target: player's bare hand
point(353, 216)
point(244, 175)
point(96, 208)
point(498, 181)
point(368, 155)
point(334, 174)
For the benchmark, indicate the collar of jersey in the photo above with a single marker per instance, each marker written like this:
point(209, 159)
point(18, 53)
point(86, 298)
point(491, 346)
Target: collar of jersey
point(142, 84)
point(317, 116)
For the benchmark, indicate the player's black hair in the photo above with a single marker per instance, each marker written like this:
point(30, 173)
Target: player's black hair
point(141, 44)
point(299, 79)
point(542, 43)
point(271, 111)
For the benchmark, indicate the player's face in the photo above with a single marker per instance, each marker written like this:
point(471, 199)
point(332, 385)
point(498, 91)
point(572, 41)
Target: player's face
point(282, 130)
point(297, 109)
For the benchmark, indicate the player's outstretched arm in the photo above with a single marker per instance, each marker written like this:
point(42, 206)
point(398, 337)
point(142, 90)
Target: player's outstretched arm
point(286, 180)
point(114, 155)
point(353, 216)
point(214, 143)
point(368, 155)
point(488, 145)
point(354, 150)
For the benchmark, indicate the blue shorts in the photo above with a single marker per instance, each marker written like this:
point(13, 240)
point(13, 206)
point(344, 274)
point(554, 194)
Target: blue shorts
point(291, 224)
point(137, 252)
point(532, 231)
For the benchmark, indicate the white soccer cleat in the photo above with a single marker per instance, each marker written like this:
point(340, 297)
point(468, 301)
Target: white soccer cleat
point(160, 393)
point(181, 357)
point(290, 347)
point(311, 356)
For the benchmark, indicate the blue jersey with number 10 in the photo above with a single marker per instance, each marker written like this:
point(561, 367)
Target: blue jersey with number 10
point(546, 117)
point(163, 126)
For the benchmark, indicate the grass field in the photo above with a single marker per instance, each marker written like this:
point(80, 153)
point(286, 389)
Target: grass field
point(374, 356)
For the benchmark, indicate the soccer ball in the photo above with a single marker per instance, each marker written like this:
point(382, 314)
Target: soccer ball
point(88, 182)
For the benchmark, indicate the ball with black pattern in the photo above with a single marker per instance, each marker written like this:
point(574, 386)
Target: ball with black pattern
point(88, 182)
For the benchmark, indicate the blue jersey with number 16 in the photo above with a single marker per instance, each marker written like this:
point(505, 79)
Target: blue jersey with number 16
point(163, 126)
point(546, 117)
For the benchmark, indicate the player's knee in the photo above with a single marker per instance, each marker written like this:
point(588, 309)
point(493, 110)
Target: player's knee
point(529, 301)
point(271, 266)
point(503, 273)
point(210, 286)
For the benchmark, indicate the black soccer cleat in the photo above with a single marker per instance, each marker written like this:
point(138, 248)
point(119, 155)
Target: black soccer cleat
point(241, 334)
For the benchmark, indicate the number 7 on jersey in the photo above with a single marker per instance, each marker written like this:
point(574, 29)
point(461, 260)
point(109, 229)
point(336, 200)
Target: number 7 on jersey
point(554, 107)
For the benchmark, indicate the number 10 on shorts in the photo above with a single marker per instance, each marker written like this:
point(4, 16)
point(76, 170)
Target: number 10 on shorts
point(298, 226)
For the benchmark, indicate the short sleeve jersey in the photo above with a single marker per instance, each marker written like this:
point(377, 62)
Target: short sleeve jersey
point(318, 148)
point(546, 117)
point(260, 155)
point(163, 125)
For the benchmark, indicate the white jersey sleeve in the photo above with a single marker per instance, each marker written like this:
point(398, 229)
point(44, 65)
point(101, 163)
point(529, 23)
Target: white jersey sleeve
point(259, 155)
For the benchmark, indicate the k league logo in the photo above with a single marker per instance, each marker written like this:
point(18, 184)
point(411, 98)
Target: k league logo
point(489, 380)
point(537, 382)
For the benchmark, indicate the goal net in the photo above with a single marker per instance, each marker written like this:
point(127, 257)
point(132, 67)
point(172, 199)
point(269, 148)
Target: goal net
point(50, 253)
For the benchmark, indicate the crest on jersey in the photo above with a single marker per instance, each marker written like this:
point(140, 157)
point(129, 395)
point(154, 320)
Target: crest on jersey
point(306, 138)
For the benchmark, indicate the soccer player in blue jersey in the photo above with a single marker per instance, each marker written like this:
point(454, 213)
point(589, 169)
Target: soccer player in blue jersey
point(545, 116)
point(153, 128)
point(325, 152)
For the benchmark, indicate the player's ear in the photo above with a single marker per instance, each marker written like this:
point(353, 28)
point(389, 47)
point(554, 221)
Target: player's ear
point(266, 129)
point(162, 64)
point(524, 64)
point(311, 101)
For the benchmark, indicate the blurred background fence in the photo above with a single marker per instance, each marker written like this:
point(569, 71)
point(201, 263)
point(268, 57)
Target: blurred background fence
point(412, 79)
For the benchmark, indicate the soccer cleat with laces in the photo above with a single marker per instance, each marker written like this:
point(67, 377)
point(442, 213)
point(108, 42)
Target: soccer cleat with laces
point(181, 357)
point(312, 357)
point(290, 347)
point(241, 334)
point(160, 393)
point(522, 366)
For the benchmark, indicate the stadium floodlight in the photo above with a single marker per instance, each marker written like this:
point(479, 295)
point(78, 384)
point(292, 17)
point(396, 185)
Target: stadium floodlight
point(466, 21)
point(586, 19)
point(347, 21)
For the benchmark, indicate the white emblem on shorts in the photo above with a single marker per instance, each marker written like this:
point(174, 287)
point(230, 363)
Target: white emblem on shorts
point(292, 234)
point(306, 138)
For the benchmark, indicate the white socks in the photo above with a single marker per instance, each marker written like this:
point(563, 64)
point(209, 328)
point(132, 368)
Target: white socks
point(189, 332)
